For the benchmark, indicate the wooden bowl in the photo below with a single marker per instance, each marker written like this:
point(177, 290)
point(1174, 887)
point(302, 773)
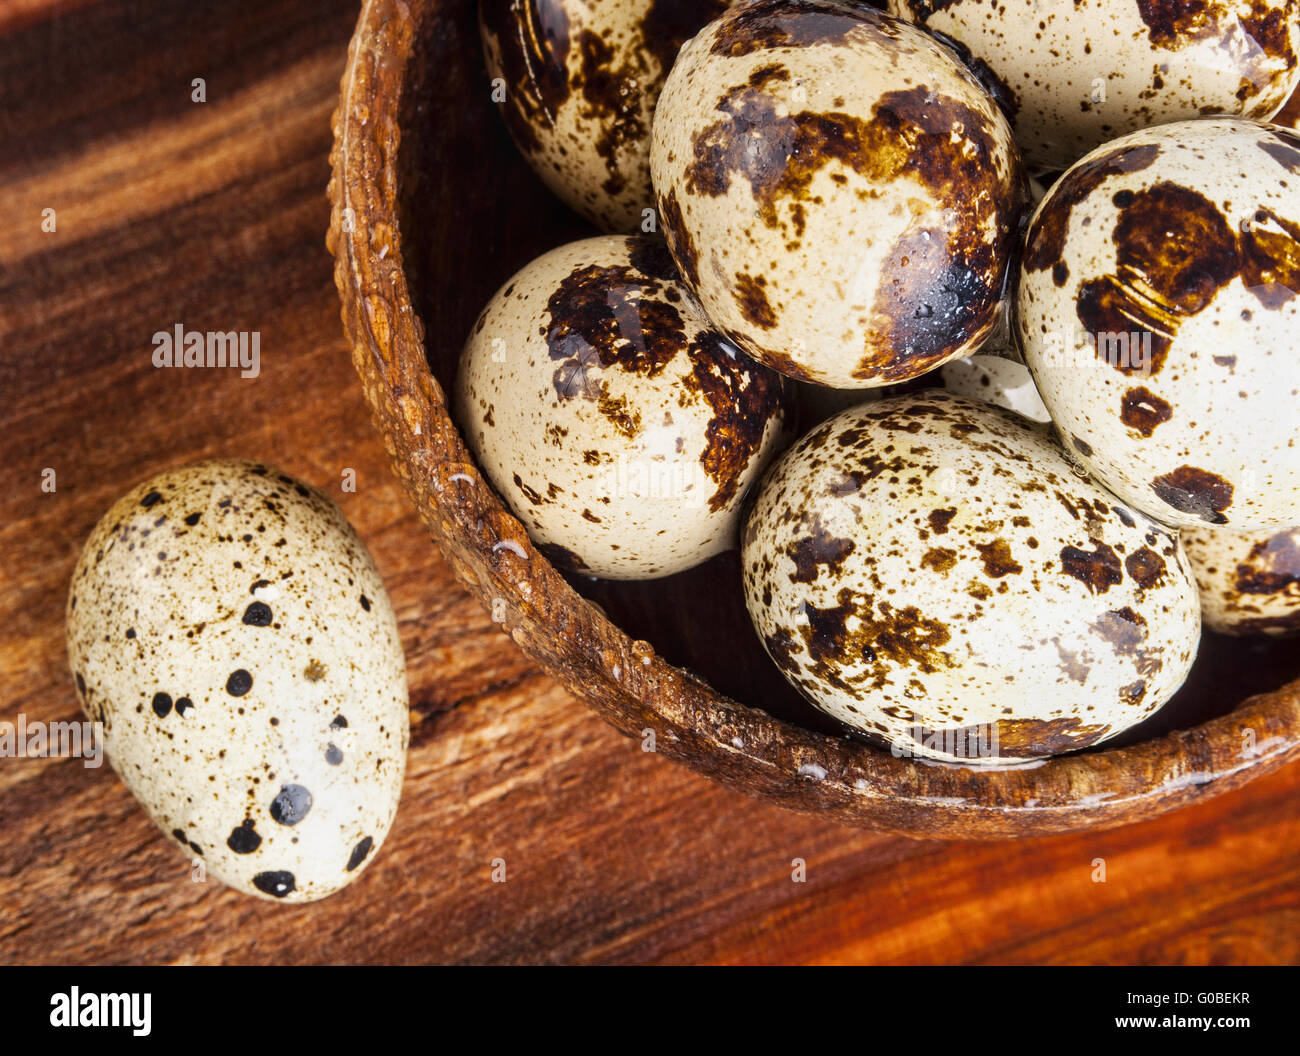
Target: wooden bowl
point(432, 210)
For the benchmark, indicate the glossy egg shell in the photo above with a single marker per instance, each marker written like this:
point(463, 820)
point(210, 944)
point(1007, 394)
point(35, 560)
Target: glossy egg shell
point(1077, 74)
point(1250, 581)
point(926, 564)
point(838, 190)
point(1158, 308)
point(616, 424)
point(230, 632)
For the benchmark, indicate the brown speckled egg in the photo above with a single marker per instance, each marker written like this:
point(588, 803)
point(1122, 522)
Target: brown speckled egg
point(1158, 311)
point(577, 81)
point(1250, 581)
point(1074, 75)
point(838, 190)
point(620, 429)
point(926, 565)
point(229, 630)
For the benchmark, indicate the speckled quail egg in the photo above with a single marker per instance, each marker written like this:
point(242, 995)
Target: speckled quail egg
point(838, 190)
point(1158, 310)
point(1250, 581)
point(993, 377)
point(1074, 75)
point(926, 568)
point(577, 82)
point(230, 632)
point(617, 425)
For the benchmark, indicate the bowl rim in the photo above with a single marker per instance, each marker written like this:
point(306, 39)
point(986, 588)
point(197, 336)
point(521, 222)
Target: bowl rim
point(743, 747)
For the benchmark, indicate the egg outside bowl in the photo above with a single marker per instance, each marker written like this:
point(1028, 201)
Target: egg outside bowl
point(432, 210)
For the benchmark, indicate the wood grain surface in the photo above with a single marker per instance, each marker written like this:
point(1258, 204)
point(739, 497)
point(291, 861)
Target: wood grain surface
point(213, 215)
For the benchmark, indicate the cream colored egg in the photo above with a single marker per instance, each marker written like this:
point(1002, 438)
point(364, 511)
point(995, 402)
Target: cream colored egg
point(1076, 74)
point(619, 428)
point(1158, 311)
point(838, 190)
point(1250, 581)
point(230, 632)
point(934, 573)
point(996, 379)
point(577, 81)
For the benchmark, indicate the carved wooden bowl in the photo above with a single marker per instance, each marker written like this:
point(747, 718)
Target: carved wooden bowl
point(432, 210)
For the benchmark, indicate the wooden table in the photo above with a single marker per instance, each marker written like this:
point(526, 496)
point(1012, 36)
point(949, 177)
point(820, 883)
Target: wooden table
point(212, 214)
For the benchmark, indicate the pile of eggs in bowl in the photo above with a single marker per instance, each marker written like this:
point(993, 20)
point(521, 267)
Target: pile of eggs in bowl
point(820, 197)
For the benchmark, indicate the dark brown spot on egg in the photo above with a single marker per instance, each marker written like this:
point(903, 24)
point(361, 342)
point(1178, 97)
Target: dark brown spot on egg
point(1142, 410)
point(1046, 241)
point(1027, 738)
point(1195, 491)
point(1270, 258)
point(1176, 24)
point(612, 95)
point(1134, 693)
point(768, 24)
point(1271, 567)
point(815, 548)
point(678, 238)
point(939, 559)
point(751, 297)
point(781, 647)
point(532, 38)
point(904, 637)
point(940, 519)
point(743, 398)
point(604, 318)
point(1098, 569)
point(768, 74)
point(561, 557)
point(1174, 252)
point(162, 705)
point(1145, 567)
point(997, 559)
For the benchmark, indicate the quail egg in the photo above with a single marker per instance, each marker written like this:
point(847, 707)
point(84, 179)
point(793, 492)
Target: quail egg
point(995, 377)
point(230, 632)
point(934, 573)
point(576, 81)
point(838, 190)
point(1074, 75)
point(617, 425)
point(1250, 581)
point(1158, 308)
